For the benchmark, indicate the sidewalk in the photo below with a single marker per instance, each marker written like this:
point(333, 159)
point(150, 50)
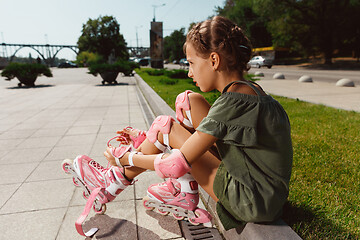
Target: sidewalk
point(328, 94)
point(64, 116)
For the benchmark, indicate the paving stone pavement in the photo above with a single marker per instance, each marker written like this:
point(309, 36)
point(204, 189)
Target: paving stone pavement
point(62, 117)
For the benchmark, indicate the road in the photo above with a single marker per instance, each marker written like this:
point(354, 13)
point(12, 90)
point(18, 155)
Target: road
point(294, 73)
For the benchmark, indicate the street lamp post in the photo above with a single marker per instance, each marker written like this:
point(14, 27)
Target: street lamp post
point(156, 6)
point(137, 39)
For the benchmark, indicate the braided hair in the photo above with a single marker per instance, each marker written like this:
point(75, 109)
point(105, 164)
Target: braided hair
point(224, 37)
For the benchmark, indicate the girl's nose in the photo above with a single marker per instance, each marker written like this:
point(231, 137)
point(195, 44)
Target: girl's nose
point(190, 75)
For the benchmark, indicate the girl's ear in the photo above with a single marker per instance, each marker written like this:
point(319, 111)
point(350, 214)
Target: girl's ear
point(215, 60)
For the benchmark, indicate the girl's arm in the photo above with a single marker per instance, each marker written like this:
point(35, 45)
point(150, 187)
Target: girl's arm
point(141, 161)
point(196, 145)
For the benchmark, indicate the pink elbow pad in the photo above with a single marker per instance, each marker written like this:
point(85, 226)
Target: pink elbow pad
point(173, 166)
point(182, 103)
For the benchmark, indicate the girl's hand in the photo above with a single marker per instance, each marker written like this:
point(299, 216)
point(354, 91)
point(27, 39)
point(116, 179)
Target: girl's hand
point(111, 159)
point(126, 133)
point(125, 139)
point(109, 156)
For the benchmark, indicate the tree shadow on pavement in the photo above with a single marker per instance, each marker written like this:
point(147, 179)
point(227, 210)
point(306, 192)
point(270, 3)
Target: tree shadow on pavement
point(114, 228)
point(165, 222)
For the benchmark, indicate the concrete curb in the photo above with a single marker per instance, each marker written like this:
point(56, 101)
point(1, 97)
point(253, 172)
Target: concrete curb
point(277, 230)
point(156, 103)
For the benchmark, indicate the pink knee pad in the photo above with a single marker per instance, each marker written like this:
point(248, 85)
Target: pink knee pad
point(182, 103)
point(174, 166)
point(161, 124)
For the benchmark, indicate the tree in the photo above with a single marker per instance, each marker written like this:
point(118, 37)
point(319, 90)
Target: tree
point(102, 36)
point(173, 45)
point(314, 26)
point(85, 57)
point(351, 29)
point(242, 13)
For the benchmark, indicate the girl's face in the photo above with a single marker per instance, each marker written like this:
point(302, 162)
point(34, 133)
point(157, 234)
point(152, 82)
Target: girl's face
point(200, 70)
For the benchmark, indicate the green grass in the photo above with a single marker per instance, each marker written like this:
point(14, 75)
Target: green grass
point(324, 200)
point(168, 92)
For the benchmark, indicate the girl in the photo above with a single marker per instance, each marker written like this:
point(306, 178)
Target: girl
point(248, 176)
point(239, 149)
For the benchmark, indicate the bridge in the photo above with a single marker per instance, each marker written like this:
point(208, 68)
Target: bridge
point(48, 52)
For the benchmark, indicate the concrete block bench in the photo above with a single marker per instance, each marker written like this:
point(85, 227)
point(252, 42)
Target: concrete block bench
point(277, 230)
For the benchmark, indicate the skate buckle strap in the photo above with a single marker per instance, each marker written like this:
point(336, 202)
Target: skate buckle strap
point(118, 152)
point(85, 213)
point(171, 186)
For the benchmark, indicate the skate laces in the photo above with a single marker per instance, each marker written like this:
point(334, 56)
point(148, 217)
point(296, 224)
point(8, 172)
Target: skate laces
point(96, 165)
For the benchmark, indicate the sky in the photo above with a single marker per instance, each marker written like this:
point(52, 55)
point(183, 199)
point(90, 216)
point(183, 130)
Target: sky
point(60, 22)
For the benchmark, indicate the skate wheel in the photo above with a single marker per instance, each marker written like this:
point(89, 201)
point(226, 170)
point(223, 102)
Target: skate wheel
point(86, 195)
point(102, 209)
point(66, 165)
point(76, 183)
point(164, 213)
point(145, 202)
point(177, 217)
point(193, 221)
point(201, 216)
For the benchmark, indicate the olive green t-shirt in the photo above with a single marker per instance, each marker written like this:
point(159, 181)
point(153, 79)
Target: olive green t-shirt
point(254, 143)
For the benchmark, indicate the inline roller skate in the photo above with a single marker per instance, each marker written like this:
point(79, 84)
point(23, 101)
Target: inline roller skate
point(100, 185)
point(179, 197)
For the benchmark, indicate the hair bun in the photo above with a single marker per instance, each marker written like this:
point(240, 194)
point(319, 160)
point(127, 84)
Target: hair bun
point(223, 36)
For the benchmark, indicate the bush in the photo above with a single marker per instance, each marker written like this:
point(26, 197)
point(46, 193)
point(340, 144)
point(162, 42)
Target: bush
point(125, 67)
point(168, 81)
point(176, 73)
point(128, 68)
point(155, 72)
point(25, 70)
point(183, 74)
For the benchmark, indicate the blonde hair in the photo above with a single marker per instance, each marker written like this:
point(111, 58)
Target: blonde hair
point(224, 37)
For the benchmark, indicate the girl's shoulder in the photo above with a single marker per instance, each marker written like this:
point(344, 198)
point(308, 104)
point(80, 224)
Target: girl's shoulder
point(246, 87)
